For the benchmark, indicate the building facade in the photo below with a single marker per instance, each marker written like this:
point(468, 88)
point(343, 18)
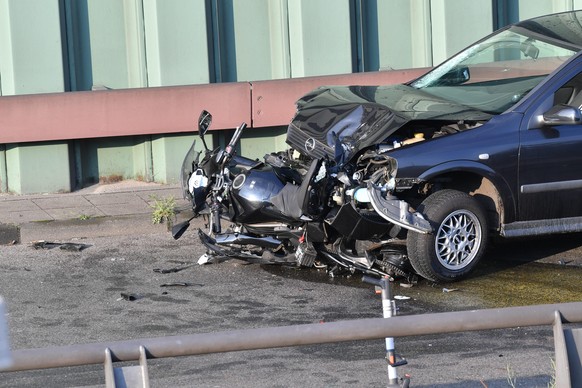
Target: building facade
point(62, 46)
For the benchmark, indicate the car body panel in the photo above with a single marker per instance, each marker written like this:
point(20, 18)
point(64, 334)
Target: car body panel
point(551, 156)
point(359, 116)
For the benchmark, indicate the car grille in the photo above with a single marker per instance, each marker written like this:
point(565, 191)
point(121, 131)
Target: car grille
point(296, 138)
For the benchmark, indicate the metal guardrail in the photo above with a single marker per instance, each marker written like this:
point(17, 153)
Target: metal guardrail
point(567, 372)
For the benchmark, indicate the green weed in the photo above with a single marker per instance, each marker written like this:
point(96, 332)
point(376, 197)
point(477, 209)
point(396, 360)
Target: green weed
point(164, 210)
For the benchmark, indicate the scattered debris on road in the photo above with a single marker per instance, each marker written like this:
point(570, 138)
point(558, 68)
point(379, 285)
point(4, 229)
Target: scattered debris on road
point(180, 284)
point(73, 247)
point(129, 296)
point(450, 289)
point(174, 269)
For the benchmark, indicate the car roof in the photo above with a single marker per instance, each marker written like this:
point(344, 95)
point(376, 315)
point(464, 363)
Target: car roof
point(564, 26)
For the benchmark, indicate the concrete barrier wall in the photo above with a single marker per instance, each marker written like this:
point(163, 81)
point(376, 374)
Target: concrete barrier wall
point(148, 111)
point(81, 137)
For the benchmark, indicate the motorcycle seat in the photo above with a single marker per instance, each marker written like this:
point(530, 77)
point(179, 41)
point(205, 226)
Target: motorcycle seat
point(292, 200)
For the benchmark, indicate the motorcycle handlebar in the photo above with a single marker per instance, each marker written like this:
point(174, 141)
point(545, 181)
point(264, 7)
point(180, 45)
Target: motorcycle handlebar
point(237, 134)
point(229, 150)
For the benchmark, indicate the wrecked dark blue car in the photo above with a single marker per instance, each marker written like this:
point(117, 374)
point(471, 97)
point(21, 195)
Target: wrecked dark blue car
point(489, 142)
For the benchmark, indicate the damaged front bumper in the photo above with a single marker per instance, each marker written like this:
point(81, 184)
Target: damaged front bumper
point(397, 211)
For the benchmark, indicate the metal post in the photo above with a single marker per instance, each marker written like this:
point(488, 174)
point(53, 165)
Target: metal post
point(3, 169)
point(133, 376)
point(388, 311)
point(5, 355)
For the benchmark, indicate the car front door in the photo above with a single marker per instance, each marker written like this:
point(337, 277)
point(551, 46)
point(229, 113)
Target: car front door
point(550, 158)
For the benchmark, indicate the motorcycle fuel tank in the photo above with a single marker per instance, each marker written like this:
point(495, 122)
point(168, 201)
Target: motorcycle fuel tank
point(252, 193)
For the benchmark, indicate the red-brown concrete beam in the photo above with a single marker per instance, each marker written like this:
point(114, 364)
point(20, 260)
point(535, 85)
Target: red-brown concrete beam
point(274, 101)
point(78, 115)
point(128, 112)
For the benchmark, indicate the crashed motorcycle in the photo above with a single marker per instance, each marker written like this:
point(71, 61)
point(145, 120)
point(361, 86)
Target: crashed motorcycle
point(290, 208)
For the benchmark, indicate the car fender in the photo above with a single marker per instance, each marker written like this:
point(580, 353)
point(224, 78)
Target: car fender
point(501, 185)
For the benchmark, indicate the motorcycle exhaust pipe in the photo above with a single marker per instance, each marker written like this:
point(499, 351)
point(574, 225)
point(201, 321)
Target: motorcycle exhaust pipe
point(179, 229)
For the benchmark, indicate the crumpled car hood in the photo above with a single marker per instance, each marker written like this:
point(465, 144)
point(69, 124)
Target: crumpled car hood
point(359, 116)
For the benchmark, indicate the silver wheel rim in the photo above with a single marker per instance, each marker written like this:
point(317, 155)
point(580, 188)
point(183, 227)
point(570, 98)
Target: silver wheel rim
point(458, 240)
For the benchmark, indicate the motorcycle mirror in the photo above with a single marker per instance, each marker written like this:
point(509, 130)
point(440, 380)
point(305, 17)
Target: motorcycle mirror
point(204, 122)
point(179, 229)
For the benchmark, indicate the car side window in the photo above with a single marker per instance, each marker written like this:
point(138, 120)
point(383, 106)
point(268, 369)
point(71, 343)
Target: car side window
point(570, 93)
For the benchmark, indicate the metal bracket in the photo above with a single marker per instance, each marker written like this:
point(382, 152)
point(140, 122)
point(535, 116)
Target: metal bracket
point(568, 348)
point(135, 376)
point(397, 211)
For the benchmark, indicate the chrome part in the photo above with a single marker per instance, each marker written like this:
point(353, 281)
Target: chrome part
point(273, 225)
point(458, 240)
point(239, 181)
point(396, 211)
point(242, 239)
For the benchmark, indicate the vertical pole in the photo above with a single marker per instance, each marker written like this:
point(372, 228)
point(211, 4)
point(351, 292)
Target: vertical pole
point(388, 311)
point(5, 355)
point(3, 169)
point(78, 163)
point(149, 160)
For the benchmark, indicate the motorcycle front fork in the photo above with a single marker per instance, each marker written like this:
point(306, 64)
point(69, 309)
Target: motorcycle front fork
point(215, 226)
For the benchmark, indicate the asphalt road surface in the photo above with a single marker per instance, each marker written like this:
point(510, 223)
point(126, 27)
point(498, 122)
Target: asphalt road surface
point(56, 297)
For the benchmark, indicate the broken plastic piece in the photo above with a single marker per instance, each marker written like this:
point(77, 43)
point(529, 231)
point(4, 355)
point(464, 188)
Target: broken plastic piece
point(44, 244)
point(179, 284)
point(204, 259)
point(171, 270)
point(73, 247)
point(129, 296)
point(64, 246)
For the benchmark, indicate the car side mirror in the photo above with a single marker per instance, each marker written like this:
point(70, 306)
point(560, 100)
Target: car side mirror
point(562, 115)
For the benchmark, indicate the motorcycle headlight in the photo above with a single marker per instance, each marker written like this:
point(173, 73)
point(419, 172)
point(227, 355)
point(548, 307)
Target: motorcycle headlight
point(196, 180)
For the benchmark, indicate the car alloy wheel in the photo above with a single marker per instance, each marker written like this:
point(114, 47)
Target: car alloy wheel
point(458, 239)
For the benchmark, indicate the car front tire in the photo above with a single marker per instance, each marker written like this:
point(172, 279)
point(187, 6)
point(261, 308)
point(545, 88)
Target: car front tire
point(458, 240)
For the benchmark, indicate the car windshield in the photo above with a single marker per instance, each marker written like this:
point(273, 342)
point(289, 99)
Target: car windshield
point(496, 73)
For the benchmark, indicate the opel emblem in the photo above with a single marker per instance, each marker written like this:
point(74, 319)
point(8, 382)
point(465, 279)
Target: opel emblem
point(310, 144)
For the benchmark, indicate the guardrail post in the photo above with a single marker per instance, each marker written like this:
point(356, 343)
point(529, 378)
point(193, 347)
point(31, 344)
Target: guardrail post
point(567, 343)
point(135, 376)
point(389, 311)
point(5, 355)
